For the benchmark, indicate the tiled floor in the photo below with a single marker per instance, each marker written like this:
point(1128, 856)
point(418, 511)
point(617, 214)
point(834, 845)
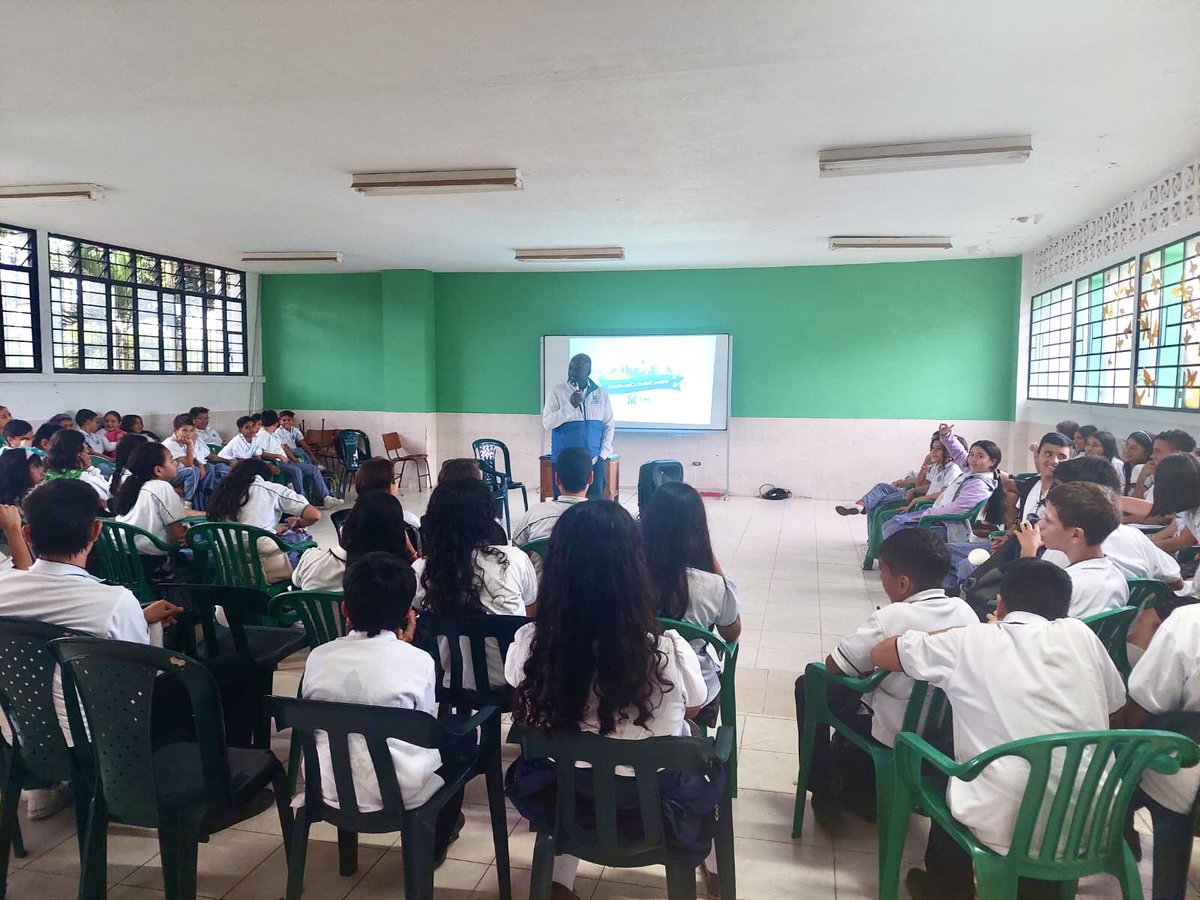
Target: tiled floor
point(798, 567)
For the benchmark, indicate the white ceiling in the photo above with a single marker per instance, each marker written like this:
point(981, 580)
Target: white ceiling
point(685, 131)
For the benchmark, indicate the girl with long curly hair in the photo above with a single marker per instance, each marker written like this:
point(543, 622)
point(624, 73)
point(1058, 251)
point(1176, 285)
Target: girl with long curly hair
point(595, 660)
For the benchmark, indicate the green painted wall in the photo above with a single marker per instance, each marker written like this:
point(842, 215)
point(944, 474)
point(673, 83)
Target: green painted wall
point(898, 340)
point(817, 341)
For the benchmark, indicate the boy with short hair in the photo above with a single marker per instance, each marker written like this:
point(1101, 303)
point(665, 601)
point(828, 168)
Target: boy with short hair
point(291, 436)
point(88, 421)
point(189, 452)
point(912, 564)
point(1077, 519)
point(1035, 670)
point(376, 663)
point(241, 445)
point(573, 472)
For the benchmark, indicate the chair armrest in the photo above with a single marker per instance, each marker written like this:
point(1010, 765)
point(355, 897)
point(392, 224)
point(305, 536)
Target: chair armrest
point(474, 722)
point(723, 743)
point(279, 607)
point(863, 685)
point(285, 546)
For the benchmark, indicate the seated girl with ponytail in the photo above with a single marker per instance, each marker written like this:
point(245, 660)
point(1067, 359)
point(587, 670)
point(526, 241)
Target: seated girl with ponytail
point(147, 501)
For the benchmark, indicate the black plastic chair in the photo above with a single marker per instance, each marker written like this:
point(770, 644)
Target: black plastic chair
point(39, 753)
point(338, 518)
point(352, 448)
point(490, 453)
point(187, 789)
point(260, 648)
point(377, 725)
point(601, 843)
point(459, 687)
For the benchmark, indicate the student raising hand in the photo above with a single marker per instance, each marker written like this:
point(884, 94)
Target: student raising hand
point(945, 430)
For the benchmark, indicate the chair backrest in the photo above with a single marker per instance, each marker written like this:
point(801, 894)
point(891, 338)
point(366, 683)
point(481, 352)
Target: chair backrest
point(691, 632)
point(495, 454)
point(115, 681)
point(1147, 593)
point(118, 560)
point(392, 443)
point(597, 837)
point(928, 714)
point(337, 722)
point(26, 695)
point(1112, 627)
point(1079, 788)
point(232, 550)
point(536, 551)
point(348, 450)
point(242, 606)
point(320, 611)
point(338, 518)
point(443, 638)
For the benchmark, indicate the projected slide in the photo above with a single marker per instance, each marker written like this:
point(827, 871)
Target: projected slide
point(655, 380)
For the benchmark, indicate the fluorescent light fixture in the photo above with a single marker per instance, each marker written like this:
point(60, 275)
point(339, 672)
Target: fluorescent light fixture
point(570, 254)
point(51, 192)
point(461, 181)
point(919, 157)
point(265, 256)
point(874, 242)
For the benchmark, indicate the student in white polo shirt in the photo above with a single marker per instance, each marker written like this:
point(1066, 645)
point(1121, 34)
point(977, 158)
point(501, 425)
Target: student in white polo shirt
point(376, 664)
point(241, 445)
point(1035, 670)
point(912, 564)
point(573, 472)
point(1077, 519)
point(190, 453)
point(376, 524)
point(147, 500)
point(273, 444)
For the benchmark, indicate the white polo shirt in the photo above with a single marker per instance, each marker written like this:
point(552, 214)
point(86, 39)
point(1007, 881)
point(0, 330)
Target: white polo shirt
point(1167, 679)
point(1097, 586)
point(712, 600)
point(289, 437)
point(211, 437)
point(924, 611)
point(1018, 678)
point(1133, 553)
point(178, 449)
point(940, 476)
point(1034, 500)
point(97, 443)
point(155, 510)
point(266, 442)
point(238, 448)
point(268, 502)
point(376, 671)
point(541, 519)
point(320, 569)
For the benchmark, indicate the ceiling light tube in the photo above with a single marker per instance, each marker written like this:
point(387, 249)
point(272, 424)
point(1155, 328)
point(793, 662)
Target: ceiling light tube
point(880, 242)
point(51, 192)
point(384, 184)
point(334, 256)
point(924, 156)
point(569, 254)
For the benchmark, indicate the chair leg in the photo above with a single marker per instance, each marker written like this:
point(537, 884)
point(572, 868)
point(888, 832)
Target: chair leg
point(293, 769)
point(178, 848)
point(1131, 881)
point(885, 790)
point(807, 740)
point(283, 807)
point(347, 852)
point(297, 856)
point(681, 879)
point(507, 518)
point(400, 477)
point(10, 833)
point(495, 791)
point(93, 874)
point(416, 845)
point(525, 497)
point(994, 881)
point(542, 875)
point(895, 829)
point(726, 870)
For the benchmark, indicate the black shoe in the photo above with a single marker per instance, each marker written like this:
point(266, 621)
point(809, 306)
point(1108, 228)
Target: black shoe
point(847, 510)
point(917, 882)
point(458, 827)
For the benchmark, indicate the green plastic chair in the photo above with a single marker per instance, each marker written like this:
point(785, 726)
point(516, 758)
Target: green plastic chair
point(118, 561)
point(1147, 593)
point(931, 519)
point(927, 713)
point(884, 512)
point(600, 842)
point(1112, 627)
point(1082, 839)
point(727, 655)
point(537, 548)
point(231, 551)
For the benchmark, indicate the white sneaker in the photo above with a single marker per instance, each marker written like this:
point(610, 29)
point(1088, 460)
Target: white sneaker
point(331, 501)
point(42, 804)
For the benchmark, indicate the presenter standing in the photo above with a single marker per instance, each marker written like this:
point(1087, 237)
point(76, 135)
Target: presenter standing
point(578, 413)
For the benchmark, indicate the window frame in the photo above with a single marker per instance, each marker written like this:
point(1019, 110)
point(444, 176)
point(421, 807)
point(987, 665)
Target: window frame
point(1135, 262)
point(180, 296)
point(1070, 357)
point(1159, 337)
point(35, 306)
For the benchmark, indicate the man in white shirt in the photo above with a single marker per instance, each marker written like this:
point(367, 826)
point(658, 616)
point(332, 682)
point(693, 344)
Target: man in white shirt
point(241, 445)
point(1167, 680)
point(376, 664)
point(189, 452)
point(912, 564)
point(578, 413)
point(573, 473)
point(1078, 518)
point(1033, 671)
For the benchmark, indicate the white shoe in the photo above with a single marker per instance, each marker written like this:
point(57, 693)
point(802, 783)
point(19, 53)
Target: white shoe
point(331, 501)
point(42, 804)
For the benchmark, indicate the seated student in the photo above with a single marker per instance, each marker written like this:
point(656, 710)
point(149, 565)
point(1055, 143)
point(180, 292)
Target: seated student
point(1080, 438)
point(241, 446)
point(1136, 453)
point(291, 436)
point(57, 589)
point(63, 420)
point(379, 474)
point(41, 438)
point(912, 564)
point(112, 426)
point(1033, 671)
point(272, 448)
point(573, 471)
point(132, 424)
point(1104, 445)
point(1077, 519)
point(20, 473)
point(936, 471)
point(212, 440)
point(125, 447)
point(375, 663)
point(17, 433)
point(457, 469)
point(98, 445)
point(1173, 440)
point(375, 524)
point(189, 452)
point(977, 482)
point(686, 580)
point(595, 661)
point(246, 496)
point(147, 501)
point(68, 457)
point(1165, 681)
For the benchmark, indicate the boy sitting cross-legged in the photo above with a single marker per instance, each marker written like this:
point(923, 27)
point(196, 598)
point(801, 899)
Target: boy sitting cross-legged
point(912, 564)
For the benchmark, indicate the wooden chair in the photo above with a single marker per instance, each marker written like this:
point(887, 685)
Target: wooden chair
point(394, 450)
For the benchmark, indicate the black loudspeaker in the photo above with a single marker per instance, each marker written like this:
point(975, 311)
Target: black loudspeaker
point(655, 473)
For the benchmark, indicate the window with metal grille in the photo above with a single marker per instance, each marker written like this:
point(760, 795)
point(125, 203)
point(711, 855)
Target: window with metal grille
point(1168, 353)
point(128, 311)
point(20, 344)
point(1104, 341)
point(1050, 344)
